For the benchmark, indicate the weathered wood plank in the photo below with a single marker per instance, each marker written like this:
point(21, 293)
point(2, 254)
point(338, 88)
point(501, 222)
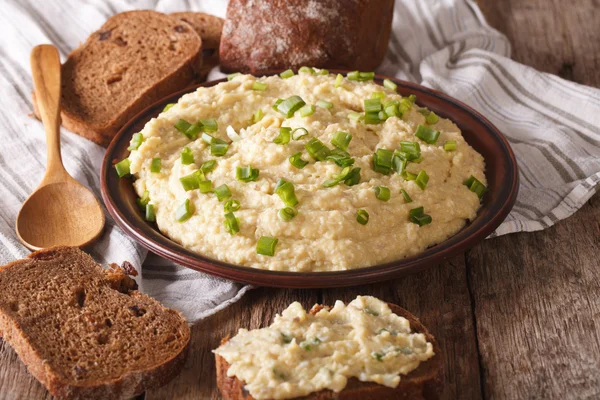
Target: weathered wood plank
point(15, 382)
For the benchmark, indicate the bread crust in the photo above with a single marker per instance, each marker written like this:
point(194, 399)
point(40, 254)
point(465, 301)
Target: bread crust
point(422, 383)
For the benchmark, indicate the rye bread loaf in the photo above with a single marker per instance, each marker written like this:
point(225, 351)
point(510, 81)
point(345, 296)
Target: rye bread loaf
point(261, 35)
point(422, 383)
point(133, 60)
point(85, 332)
point(209, 28)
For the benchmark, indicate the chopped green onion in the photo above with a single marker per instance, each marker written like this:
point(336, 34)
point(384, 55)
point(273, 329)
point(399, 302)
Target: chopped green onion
point(422, 179)
point(284, 135)
point(360, 76)
point(286, 214)
point(205, 186)
point(186, 156)
point(406, 196)
point(266, 246)
point(382, 193)
point(168, 107)
point(297, 161)
point(258, 115)
point(338, 80)
point(246, 174)
point(353, 178)
point(232, 224)
point(362, 217)
point(427, 134)
point(122, 167)
point(208, 166)
point(288, 73)
point(324, 72)
point(206, 138)
point(290, 105)
point(450, 145)
point(317, 149)
point(285, 191)
point(418, 216)
point(222, 192)
point(182, 125)
point(261, 86)
point(155, 165)
point(231, 205)
point(277, 102)
point(354, 116)
point(143, 201)
point(192, 132)
point(218, 147)
point(231, 77)
point(337, 179)
point(378, 355)
point(209, 125)
point(307, 110)
point(378, 95)
point(382, 115)
point(372, 118)
point(340, 157)
point(192, 181)
point(136, 141)
point(324, 104)
point(372, 105)
point(432, 118)
point(411, 150)
point(307, 70)
point(382, 161)
point(185, 211)
point(409, 176)
point(393, 111)
point(399, 162)
point(412, 98)
point(232, 134)
point(341, 140)
point(424, 112)
point(405, 105)
point(150, 213)
point(476, 186)
point(299, 133)
point(390, 84)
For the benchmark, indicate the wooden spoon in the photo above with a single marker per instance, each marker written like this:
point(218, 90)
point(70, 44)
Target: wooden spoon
point(60, 211)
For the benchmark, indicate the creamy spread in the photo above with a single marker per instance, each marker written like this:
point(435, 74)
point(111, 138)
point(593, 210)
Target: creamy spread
point(302, 353)
point(325, 234)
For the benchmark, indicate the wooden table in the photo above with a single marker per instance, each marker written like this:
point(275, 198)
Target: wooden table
point(517, 316)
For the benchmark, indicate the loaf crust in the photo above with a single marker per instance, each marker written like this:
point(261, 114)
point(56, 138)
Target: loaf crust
point(261, 35)
point(421, 383)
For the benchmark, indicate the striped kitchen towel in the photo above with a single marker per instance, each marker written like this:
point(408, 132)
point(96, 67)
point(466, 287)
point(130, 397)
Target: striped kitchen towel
point(552, 124)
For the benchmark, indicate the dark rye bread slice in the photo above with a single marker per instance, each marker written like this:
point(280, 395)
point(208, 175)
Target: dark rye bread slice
point(85, 332)
point(421, 383)
point(209, 28)
point(133, 60)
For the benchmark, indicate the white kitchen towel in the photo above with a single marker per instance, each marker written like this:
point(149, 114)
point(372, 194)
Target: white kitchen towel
point(552, 124)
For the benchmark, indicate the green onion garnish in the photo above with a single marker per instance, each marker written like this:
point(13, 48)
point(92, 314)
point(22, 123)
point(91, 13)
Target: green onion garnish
point(422, 179)
point(284, 135)
point(182, 125)
point(378, 95)
point(230, 77)
point(341, 140)
point(412, 98)
point(427, 134)
point(307, 70)
point(205, 186)
point(232, 224)
point(432, 118)
point(288, 73)
point(136, 141)
point(277, 102)
point(418, 216)
point(360, 76)
point(155, 165)
point(206, 138)
point(406, 196)
point(231, 205)
point(389, 84)
point(246, 174)
point(338, 80)
point(285, 191)
point(362, 217)
point(192, 131)
point(290, 105)
point(372, 105)
point(261, 86)
point(382, 193)
point(258, 115)
point(476, 186)
point(185, 211)
point(286, 214)
point(143, 201)
point(122, 167)
point(399, 162)
point(317, 149)
point(218, 147)
point(354, 116)
point(324, 72)
point(392, 110)
point(372, 118)
point(450, 145)
point(168, 107)
point(324, 104)
point(299, 133)
point(307, 110)
point(192, 181)
point(208, 166)
point(337, 179)
point(409, 176)
point(297, 161)
point(411, 150)
point(382, 161)
point(340, 157)
point(186, 156)
point(150, 213)
point(209, 125)
point(222, 192)
point(266, 246)
point(353, 178)
point(382, 115)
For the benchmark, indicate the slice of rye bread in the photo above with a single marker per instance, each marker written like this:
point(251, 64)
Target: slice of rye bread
point(132, 61)
point(209, 28)
point(421, 383)
point(85, 332)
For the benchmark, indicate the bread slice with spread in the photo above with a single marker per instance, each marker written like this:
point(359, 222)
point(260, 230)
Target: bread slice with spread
point(367, 349)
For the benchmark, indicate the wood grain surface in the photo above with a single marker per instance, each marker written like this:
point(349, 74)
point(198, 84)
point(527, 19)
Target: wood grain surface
point(517, 317)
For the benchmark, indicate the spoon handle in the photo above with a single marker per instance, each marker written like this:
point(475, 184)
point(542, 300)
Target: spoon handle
point(45, 68)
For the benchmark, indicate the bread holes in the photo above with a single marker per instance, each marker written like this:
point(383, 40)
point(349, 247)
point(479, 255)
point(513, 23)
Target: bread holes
point(80, 297)
point(14, 306)
point(108, 322)
point(102, 36)
point(102, 338)
point(137, 311)
point(114, 78)
point(119, 41)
